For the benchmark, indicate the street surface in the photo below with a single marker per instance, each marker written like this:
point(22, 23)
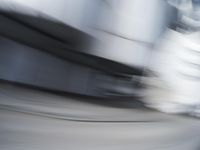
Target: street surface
point(37, 120)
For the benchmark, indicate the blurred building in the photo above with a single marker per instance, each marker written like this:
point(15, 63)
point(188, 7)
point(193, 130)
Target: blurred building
point(96, 48)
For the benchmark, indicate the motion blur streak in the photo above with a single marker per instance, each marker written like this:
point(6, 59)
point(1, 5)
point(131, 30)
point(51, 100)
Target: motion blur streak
point(37, 120)
point(99, 74)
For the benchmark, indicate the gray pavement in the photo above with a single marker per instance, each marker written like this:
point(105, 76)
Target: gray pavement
point(36, 120)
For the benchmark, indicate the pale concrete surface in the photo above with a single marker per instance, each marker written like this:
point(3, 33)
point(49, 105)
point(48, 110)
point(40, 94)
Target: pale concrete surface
point(35, 120)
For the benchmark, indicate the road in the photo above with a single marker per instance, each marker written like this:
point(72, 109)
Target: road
point(38, 120)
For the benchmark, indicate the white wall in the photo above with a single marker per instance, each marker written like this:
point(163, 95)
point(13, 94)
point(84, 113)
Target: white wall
point(76, 13)
point(142, 20)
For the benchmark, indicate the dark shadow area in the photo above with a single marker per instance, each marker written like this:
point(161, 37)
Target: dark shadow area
point(117, 102)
